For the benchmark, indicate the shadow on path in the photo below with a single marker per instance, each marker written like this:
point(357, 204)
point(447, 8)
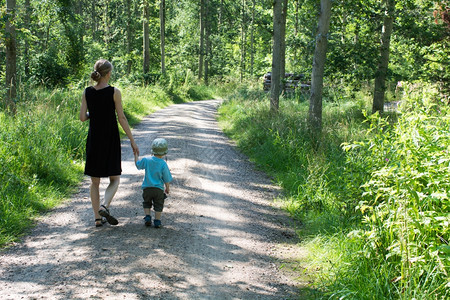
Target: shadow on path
point(218, 241)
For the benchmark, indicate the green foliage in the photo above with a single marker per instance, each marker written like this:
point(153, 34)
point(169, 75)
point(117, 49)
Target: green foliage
point(42, 147)
point(61, 35)
point(406, 202)
point(437, 63)
point(139, 102)
point(376, 209)
point(48, 71)
point(176, 87)
point(281, 145)
point(40, 153)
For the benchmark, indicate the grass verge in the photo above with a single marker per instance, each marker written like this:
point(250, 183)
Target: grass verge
point(373, 198)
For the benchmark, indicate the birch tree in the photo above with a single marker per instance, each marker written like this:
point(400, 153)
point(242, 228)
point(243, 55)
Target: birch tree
point(146, 42)
point(10, 41)
point(207, 37)
point(129, 36)
point(162, 30)
point(27, 21)
point(202, 39)
point(320, 53)
point(243, 39)
point(252, 38)
point(380, 75)
point(276, 56)
point(283, 41)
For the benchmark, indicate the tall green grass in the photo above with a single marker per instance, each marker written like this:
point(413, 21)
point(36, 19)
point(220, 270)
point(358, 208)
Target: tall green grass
point(373, 198)
point(42, 147)
point(40, 152)
point(281, 145)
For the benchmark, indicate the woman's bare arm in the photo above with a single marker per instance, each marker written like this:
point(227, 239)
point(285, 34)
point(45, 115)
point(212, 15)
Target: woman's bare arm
point(123, 119)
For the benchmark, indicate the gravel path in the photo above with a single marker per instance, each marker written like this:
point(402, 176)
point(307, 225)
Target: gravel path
point(222, 238)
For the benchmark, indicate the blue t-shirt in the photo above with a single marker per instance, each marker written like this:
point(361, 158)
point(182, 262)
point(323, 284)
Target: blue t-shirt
point(156, 172)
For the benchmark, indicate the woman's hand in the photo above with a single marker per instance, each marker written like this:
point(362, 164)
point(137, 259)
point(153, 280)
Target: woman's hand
point(135, 148)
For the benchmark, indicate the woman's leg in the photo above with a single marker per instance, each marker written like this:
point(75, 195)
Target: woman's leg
point(95, 195)
point(111, 189)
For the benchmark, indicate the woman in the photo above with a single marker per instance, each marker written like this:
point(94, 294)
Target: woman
point(99, 105)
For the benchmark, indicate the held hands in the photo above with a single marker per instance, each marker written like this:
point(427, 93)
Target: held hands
point(135, 148)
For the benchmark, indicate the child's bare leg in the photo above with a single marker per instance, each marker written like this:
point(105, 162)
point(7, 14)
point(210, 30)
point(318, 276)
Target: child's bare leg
point(111, 189)
point(147, 211)
point(95, 195)
point(157, 221)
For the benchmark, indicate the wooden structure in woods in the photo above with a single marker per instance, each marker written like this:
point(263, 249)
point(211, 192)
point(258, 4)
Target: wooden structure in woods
point(291, 82)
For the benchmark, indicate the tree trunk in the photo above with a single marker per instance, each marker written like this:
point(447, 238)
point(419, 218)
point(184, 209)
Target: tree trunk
point(202, 38)
point(10, 41)
point(93, 20)
point(283, 43)
point(162, 30)
point(207, 41)
point(243, 38)
point(107, 35)
point(380, 75)
point(296, 18)
point(26, 49)
point(296, 26)
point(129, 36)
point(252, 38)
point(276, 55)
point(320, 53)
point(146, 42)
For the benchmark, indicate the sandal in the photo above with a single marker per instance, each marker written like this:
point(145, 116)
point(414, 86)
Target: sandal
point(99, 222)
point(104, 212)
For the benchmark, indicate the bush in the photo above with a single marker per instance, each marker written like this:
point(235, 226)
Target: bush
point(406, 200)
point(374, 199)
point(48, 71)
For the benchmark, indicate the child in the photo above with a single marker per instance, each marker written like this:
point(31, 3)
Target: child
point(156, 180)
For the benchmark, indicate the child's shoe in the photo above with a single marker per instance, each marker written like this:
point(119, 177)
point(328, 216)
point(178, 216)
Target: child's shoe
point(148, 220)
point(157, 223)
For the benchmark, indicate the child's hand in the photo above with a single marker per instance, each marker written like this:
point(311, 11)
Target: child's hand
point(167, 188)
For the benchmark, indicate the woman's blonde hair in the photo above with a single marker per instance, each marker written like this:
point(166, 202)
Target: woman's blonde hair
point(101, 68)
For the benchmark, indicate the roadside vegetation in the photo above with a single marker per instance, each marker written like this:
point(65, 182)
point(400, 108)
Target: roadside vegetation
point(42, 146)
point(372, 197)
point(372, 191)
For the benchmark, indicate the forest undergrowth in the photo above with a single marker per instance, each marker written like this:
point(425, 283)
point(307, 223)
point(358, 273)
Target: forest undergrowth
point(372, 197)
point(42, 146)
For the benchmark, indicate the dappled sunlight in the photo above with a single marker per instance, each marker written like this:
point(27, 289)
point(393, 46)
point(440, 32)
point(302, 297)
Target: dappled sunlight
point(217, 229)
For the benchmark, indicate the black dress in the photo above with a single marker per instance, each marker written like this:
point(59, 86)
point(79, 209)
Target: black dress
point(103, 153)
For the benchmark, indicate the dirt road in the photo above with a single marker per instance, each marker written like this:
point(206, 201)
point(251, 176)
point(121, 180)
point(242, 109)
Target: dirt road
point(221, 237)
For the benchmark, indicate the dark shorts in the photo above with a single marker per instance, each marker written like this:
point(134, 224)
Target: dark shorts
point(153, 197)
